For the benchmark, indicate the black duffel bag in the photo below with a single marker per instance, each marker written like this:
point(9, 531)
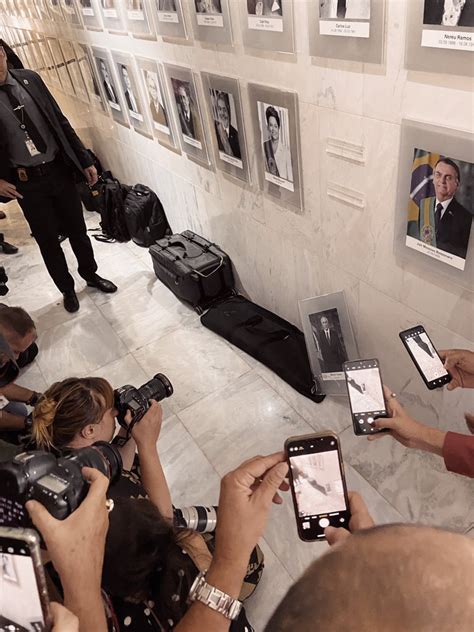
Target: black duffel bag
point(197, 271)
point(273, 341)
point(145, 216)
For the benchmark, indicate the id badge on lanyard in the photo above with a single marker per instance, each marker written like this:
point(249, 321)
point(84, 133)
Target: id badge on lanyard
point(31, 147)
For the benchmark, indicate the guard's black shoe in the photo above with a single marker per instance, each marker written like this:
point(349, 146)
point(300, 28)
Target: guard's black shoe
point(102, 284)
point(70, 300)
point(8, 249)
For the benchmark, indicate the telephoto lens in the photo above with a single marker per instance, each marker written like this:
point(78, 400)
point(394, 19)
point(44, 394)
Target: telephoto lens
point(196, 518)
point(158, 388)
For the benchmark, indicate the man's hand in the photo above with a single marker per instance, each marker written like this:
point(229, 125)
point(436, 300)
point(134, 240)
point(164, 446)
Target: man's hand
point(360, 519)
point(460, 364)
point(76, 544)
point(406, 430)
point(91, 175)
point(244, 503)
point(147, 430)
point(8, 190)
point(63, 619)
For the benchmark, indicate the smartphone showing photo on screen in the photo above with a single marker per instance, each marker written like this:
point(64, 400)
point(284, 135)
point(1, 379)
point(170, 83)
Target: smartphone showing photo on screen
point(318, 484)
point(425, 357)
point(24, 601)
point(366, 398)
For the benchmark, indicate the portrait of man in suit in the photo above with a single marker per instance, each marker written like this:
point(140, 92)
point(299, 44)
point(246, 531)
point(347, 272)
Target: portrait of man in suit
point(130, 98)
point(328, 340)
point(266, 8)
point(157, 108)
point(167, 5)
point(208, 6)
point(187, 111)
point(226, 134)
point(344, 9)
point(449, 12)
point(443, 222)
point(107, 83)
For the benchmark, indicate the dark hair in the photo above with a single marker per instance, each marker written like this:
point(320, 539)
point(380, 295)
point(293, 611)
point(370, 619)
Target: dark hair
point(223, 96)
point(270, 111)
point(16, 320)
point(452, 164)
point(67, 407)
point(144, 559)
point(13, 61)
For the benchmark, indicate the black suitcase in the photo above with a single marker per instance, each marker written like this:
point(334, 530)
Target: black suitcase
point(145, 216)
point(197, 271)
point(273, 341)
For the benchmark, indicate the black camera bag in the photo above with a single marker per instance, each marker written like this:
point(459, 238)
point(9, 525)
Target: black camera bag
point(197, 271)
point(112, 222)
point(145, 216)
point(273, 341)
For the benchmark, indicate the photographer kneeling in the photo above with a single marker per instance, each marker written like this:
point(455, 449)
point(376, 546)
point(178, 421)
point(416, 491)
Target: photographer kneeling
point(77, 412)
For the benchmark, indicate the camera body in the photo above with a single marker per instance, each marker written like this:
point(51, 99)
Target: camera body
point(137, 400)
point(3, 281)
point(57, 483)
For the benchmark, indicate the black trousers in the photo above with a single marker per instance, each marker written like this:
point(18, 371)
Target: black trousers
point(52, 206)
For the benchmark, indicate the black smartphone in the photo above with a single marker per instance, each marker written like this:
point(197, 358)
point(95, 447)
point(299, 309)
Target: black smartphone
point(366, 398)
point(318, 484)
point(425, 357)
point(24, 600)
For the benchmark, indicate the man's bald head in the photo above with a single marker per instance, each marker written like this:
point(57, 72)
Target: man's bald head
point(396, 578)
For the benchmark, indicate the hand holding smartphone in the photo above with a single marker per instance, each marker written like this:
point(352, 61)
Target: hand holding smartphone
point(318, 485)
point(425, 357)
point(366, 398)
point(24, 601)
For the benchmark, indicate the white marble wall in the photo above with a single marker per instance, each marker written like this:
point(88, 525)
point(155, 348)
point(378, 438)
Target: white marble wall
point(279, 256)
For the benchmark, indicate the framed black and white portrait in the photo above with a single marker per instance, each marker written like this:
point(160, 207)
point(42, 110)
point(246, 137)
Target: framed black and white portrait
point(268, 25)
point(348, 29)
point(74, 70)
point(55, 11)
point(211, 21)
point(275, 119)
point(90, 14)
point(440, 36)
point(187, 109)
point(112, 15)
point(329, 339)
point(435, 201)
point(131, 94)
point(224, 103)
point(90, 75)
point(169, 18)
point(157, 103)
point(108, 84)
point(138, 19)
point(71, 12)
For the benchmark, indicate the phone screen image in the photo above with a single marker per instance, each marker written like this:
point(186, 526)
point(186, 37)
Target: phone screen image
point(318, 487)
point(425, 355)
point(20, 604)
point(365, 390)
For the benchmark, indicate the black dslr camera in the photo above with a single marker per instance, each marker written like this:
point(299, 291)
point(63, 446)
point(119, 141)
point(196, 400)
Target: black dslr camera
point(3, 281)
point(57, 483)
point(137, 401)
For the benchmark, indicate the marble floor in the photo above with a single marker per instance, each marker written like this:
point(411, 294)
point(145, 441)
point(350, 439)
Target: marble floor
point(226, 406)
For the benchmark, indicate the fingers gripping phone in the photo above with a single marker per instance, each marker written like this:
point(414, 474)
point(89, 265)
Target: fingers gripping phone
point(365, 390)
point(24, 601)
point(425, 357)
point(318, 484)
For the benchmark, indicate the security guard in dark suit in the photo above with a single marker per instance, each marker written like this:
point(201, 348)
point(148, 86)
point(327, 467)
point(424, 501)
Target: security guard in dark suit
point(40, 158)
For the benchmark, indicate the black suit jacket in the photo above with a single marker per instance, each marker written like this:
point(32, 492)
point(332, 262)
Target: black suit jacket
point(452, 233)
point(72, 150)
point(332, 351)
point(233, 141)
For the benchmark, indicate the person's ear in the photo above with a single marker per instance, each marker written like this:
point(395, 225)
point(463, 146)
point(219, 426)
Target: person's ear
point(89, 432)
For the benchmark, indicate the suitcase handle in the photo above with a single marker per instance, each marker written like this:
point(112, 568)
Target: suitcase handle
point(218, 267)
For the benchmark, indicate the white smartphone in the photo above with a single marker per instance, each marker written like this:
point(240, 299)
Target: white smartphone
point(24, 600)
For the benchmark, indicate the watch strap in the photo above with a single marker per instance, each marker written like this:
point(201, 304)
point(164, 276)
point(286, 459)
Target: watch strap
point(214, 598)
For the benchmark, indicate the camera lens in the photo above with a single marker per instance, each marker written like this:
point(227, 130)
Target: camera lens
point(102, 456)
point(197, 518)
point(158, 388)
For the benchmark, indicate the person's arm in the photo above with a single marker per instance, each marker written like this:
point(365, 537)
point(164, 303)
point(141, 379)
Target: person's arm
point(458, 453)
point(76, 546)
point(146, 433)
point(244, 503)
point(15, 393)
point(11, 422)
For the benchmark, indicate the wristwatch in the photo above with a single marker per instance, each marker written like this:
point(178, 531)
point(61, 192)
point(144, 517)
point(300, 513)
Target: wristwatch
point(214, 598)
